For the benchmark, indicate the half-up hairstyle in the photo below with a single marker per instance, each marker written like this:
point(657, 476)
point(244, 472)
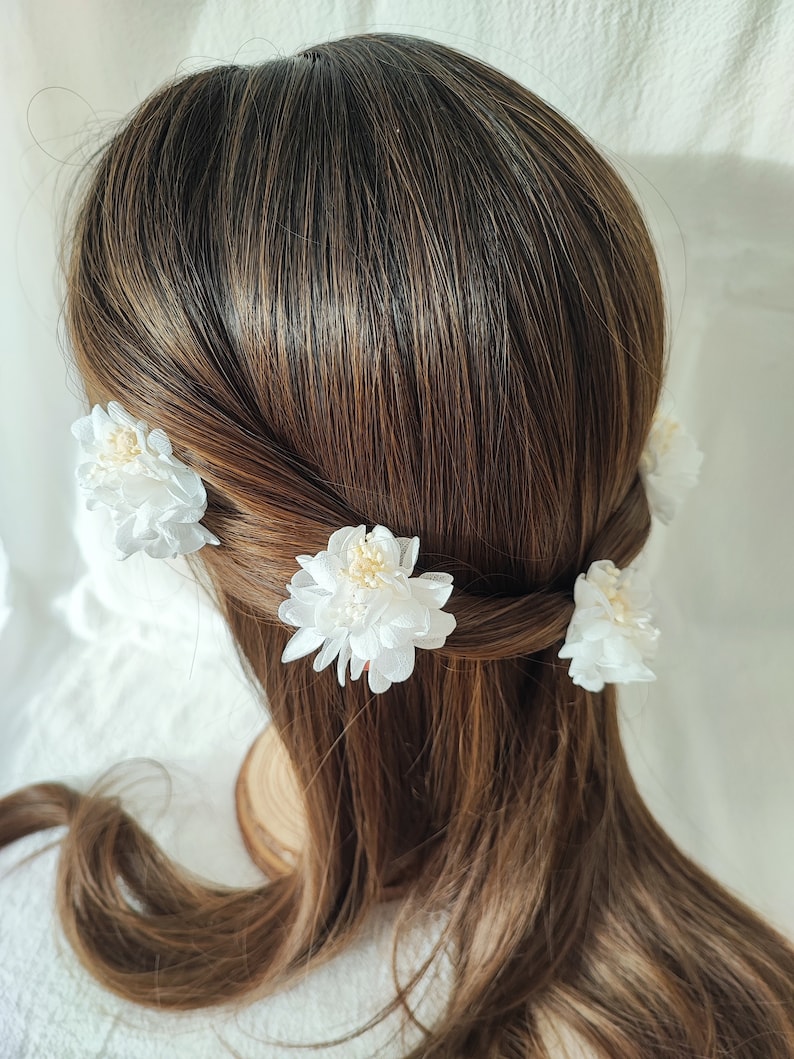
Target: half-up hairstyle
point(381, 282)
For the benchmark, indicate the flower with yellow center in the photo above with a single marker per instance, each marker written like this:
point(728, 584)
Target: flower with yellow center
point(356, 603)
point(155, 501)
point(669, 466)
point(610, 635)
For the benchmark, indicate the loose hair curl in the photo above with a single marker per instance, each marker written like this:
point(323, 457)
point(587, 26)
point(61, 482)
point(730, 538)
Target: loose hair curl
point(380, 282)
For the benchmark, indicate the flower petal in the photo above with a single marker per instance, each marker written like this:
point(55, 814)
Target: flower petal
point(301, 644)
point(342, 539)
point(378, 683)
point(397, 665)
point(356, 667)
point(158, 440)
point(329, 651)
point(344, 657)
point(366, 644)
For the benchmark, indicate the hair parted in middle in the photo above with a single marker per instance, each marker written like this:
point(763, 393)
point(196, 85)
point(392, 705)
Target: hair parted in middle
point(379, 282)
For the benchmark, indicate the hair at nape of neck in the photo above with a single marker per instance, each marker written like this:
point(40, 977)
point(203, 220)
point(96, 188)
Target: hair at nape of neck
point(383, 285)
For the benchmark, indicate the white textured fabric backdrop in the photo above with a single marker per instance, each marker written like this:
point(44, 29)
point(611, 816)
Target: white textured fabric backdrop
point(101, 662)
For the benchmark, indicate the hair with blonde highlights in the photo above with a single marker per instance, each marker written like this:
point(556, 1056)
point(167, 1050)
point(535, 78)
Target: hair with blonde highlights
point(381, 282)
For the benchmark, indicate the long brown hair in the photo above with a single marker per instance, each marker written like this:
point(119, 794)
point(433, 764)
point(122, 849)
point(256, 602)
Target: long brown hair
point(380, 282)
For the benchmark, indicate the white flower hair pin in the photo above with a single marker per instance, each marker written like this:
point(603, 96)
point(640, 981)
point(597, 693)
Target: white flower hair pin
point(357, 603)
point(669, 466)
point(156, 501)
point(610, 636)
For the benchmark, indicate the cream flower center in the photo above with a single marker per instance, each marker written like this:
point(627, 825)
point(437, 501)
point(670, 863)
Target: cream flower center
point(619, 607)
point(660, 443)
point(120, 447)
point(367, 564)
point(352, 613)
point(617, 600)
point(667, 432)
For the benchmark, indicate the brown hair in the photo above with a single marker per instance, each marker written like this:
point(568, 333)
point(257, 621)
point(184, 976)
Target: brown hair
point(380, 282)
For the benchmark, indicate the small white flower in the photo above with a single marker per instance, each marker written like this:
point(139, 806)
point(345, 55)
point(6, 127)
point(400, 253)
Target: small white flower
point(156, 501)
point(610, 634)
point(357, 603)
point(669, 466)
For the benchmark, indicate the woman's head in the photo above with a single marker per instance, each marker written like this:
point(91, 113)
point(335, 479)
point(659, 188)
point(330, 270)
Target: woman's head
point(380, 282)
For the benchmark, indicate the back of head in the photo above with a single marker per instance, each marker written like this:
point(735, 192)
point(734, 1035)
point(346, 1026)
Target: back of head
point(381, 283)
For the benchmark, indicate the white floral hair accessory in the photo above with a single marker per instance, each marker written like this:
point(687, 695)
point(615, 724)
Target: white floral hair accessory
point(156, 501)
point(610, 635)
point(357, 603)
point(669, 466)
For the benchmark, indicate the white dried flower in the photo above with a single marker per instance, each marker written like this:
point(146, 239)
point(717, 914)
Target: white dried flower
point(669, 466)
point(156, 501)
point(610, 634)
point(357, 603)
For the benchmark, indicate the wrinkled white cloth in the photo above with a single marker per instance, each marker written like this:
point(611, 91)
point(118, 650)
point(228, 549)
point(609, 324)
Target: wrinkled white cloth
point(694, 103)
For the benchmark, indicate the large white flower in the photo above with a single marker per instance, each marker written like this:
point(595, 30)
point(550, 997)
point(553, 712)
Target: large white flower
point(610, 634)
point(357, 603)
point(156, 501)
point(669, 466)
